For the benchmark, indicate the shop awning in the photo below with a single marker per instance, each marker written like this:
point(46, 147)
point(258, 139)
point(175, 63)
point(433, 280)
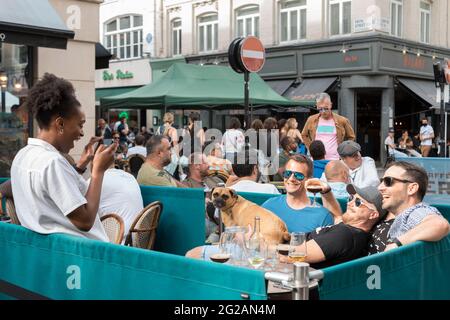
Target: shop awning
point(309, 89)
point(424, 89)
point(279, 86)
point(102, 57)
point(110, 92)
point(33, 23)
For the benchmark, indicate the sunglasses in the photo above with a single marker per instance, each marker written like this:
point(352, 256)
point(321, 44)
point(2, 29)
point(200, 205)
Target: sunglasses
point(389, 181)
point(297, 175)
point(358, 201)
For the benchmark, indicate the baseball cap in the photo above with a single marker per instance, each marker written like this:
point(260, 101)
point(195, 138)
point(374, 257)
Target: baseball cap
point(391, 130)
point(370, 194)
point(348, 148)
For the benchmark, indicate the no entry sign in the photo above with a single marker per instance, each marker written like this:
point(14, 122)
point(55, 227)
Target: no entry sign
point(253, 54)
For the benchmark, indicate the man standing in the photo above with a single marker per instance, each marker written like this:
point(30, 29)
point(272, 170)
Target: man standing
point(152, 172)
point(103, 130)
point(426, 137)
point(123, 130)
point(328, 127)
point(363, 171)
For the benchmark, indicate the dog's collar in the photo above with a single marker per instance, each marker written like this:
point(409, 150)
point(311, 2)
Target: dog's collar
point(230, 206)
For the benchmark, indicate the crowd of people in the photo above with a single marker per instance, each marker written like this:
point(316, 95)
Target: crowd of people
point(52, 196)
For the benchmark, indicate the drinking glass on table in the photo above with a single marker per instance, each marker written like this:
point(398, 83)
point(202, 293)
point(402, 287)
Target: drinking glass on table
point(297, 247)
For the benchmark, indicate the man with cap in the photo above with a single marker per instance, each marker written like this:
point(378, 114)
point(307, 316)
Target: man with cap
point(390, 142)
point(347, 239)
point(363, 172)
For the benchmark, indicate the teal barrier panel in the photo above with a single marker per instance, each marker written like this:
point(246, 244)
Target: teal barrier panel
point(182, 223)
point(60, 266)
point(438, 170)
point(415, 271)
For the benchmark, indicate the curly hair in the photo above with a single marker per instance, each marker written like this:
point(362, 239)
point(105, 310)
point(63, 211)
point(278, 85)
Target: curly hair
point(49, 97)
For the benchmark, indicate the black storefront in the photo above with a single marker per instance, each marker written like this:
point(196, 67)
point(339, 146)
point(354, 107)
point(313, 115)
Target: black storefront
point(377, 81)
point(24, 26)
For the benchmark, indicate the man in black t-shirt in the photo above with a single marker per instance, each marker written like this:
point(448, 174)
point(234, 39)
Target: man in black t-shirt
point(347, 239)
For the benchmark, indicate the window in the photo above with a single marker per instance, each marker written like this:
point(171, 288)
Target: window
point(340, 17)
point(293, 20)
point(425, 14)
point(123, 37)
point(396, 17)
point(208, 30)
point(176, 37)
point(21, 54)
point(247, 21)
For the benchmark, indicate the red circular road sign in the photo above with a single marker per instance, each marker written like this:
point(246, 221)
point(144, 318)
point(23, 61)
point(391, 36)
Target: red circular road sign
point(253, 54)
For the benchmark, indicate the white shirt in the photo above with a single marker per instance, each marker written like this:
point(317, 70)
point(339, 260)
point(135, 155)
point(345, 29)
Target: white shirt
point(427, 131)
point(46, 189)
point(366, 175)
point(137, 150)
point(389, 141)
point(232, 141)
point(120, 195)
point(252, 186)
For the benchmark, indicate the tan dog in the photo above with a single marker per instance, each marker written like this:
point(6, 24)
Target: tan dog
point(236, 211)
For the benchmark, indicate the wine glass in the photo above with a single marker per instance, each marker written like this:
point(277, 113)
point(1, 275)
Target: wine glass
point(283, 250)
point(314, 188)
point(271, 258)
point(297, 247)
point(256, 253)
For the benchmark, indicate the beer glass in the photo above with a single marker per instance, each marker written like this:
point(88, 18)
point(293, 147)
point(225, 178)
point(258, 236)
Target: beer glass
point(297, 247)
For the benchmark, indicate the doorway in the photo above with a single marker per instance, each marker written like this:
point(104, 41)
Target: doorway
point(368, 122)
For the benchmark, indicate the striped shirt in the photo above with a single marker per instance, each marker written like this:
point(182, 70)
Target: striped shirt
point(410, 218)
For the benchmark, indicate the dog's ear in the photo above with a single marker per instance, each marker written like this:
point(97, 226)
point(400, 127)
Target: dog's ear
point(233, 193)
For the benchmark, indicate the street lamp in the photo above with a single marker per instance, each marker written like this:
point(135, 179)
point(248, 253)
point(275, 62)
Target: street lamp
point(3, 83)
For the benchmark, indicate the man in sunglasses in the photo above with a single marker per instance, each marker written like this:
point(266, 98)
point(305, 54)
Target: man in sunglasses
point(328, 127)
point(294, 208)
point(347, 239)
point(403, 188)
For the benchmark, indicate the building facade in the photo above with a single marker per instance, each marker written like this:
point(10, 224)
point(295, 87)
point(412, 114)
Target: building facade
point(127, 32)
point(374, 57)
point(39, 36)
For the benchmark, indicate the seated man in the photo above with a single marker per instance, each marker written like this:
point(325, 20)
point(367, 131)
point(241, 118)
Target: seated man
point(403, 188)
point(347, 239)
point(390, 142)
point(317, 151)
point(198, 173)
point(294, 208)
point(247, 174)
point(363, 171)
point(152, 172)
point(338, 177)
point(139, 147)
point(120, 195)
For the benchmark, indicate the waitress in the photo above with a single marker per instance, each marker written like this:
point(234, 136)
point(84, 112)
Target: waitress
point(49, 194)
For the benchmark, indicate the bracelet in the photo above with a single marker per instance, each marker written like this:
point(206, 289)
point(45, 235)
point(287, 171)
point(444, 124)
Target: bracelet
point(397, 242)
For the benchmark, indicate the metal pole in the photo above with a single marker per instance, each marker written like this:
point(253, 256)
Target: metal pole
point(246, 99)
point(445, 142)
point(3, 100)
point(301, 281)
point(442, 127)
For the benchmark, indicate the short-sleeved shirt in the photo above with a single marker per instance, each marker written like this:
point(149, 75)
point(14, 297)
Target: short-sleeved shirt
point(379, 238)
point(299, 220)
point(252, 186)
point(150, 176)
point(47, 189)
point(427, 130)
point(122, 137)
point(326, 132)
point(339, 243)
point(389, 141)
point(410, 218)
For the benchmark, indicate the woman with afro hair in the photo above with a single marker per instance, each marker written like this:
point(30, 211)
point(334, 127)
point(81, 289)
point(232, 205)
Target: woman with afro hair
point(49, 194)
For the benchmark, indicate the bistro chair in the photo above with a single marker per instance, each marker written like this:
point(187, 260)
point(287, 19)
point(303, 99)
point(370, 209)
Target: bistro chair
point(11, 211)
point(135, 161)
point(389, 158)
point(114, 227)
point(221, 174)
point(142, 233)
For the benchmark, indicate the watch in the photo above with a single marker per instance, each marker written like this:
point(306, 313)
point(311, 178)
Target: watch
point(397, 242)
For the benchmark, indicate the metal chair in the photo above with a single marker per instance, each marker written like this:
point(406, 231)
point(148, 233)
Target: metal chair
point(142, 232)
point(135, 161)
point(114, 227)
